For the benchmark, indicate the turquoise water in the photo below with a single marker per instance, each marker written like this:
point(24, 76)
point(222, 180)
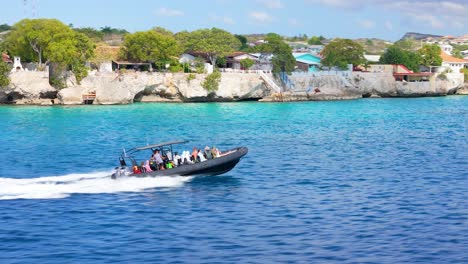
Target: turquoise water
point(365, 181)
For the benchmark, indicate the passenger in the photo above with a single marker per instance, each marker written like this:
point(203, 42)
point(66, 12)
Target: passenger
point(161, 166)
point(152, 164)
point(208, 153)
point(215, 152)
point(177, 159)
point(142, 167)
point(136, 170)
point(169, 154)
point(158, 158)
point(194, 153)
point(201, 158)
point(147, 166)
point(169, 165)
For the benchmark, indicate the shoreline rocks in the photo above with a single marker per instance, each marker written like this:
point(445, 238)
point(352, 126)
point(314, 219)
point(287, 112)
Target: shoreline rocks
point(125, 88)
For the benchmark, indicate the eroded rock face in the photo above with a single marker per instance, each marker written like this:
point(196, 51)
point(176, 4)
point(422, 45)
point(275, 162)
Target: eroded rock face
point(113, 88)
point(125, 88)
point(28, 88)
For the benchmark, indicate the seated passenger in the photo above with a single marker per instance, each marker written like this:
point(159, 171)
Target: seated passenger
point(152, 164)
point(215, 152)
point(142, 167)
point(169, 165)
point(194, 153)
point(201, 158)
point(207, 153)
point(177, 159)
point(136, 170)
point(147, 166)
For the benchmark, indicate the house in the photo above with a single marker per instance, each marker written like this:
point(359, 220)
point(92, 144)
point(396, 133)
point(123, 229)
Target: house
point(307, 62)
point(446, 48)
point(403, 74)
point(104, 55)
point(463, 40)
point(452, 63)
point(262, 61)
point(192, 58)
point(372, 58)
point(299, 47)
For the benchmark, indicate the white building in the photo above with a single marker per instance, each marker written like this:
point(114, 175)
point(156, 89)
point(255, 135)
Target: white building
point(446, 48)
point(452, 63)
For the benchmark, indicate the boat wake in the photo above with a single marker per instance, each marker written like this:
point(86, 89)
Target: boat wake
point(55, 187)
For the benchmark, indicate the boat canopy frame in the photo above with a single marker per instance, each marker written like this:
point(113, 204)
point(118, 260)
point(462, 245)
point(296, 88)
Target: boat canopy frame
point(152, 147)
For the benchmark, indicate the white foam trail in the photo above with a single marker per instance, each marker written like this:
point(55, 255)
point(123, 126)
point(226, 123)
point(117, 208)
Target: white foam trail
point(54, 187)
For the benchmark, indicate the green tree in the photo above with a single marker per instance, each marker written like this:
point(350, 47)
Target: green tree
point(182, 39)
point(341, 52)
point(247, 63)
point(71, 50)
point(211, 82)
point(110, 30)
point(4, 27)
point(430, 55)
point(163, 31)
point(213, 43)
point(314, 40)
point(94, 34)
point(31, 37)
point(4, 71)
point(243, 41)
point(283, 60)
point(457, 54)
point(150, 46)
point(396, 55)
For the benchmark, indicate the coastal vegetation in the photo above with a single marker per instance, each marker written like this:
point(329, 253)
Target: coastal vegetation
point(211, 82)
point(151, 46)
point(428, 55)
point(4, 70)
point(49, 40)
point(213, 43)
point(341, 52)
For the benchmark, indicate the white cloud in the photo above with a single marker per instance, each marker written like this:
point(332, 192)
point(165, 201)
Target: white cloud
point(260, 17)
point(436, 14)
point(368, 24)
point(272, 4)
point(163, 11)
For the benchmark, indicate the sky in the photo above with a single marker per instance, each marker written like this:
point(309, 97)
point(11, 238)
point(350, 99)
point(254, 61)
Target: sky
point(384, 19)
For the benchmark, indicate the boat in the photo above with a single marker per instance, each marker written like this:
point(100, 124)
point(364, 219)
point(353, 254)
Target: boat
point(217, 164)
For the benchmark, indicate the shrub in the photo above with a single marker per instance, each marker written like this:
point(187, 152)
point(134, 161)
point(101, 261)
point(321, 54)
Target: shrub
point(465, 73)
point(211, 82)
point(442, 76)
point(175, 68)
point(190, 77)
point(4, 70)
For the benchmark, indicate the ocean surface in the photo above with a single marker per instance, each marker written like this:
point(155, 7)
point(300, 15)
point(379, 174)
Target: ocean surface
point(363, 181)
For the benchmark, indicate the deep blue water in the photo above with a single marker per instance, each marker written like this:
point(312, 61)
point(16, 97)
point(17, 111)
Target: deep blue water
point(365, 181)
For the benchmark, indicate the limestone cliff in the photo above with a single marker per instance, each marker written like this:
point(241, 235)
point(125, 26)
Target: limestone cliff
point(125, 88)
point(28, 88)
point(112, 88)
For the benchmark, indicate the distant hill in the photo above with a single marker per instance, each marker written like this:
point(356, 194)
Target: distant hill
point(418, 36)
point(373, 45)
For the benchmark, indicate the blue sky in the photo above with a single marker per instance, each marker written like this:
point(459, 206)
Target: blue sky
point(386, 19)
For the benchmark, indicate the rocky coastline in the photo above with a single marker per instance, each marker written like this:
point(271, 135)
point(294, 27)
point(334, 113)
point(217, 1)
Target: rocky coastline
point(33, 88)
